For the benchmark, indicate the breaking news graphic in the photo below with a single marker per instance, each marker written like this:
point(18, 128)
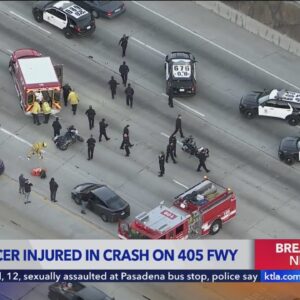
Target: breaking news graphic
point(212, 261)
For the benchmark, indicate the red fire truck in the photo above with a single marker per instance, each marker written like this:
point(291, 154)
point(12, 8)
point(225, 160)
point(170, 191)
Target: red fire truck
point(200, 210)
point(34, 74)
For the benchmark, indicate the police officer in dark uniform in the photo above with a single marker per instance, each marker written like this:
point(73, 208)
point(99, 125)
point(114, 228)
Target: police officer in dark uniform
point(91, 142)
point(202, 154)
point(91, 116)
point(113, 86)
point(170, 151)
point(124, 70)
point(124, 42)
point(161, 160)
point(129, 91)
point(178, 126)
point(126, 131)
point(171, 96)
point(102, 127)
point(56, 127)
point(173, 139)
point(66, 90)
point(126, 144)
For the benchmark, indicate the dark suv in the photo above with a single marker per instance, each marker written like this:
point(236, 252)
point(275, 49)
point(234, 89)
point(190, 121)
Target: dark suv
point(65, 15)
point(289, 149)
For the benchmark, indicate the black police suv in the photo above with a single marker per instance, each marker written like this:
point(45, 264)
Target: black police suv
point(289, 149)
point(66, 16)
point(180, 67)
point(105, 9)
point(274, 103)
point(102, 201)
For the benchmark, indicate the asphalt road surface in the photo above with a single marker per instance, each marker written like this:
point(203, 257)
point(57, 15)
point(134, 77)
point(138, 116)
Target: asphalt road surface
point(243, 153)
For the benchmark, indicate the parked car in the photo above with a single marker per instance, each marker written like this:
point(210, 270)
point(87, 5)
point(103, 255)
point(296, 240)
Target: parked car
point(106, 9)
point(75, 291)
point(102, 201)
point(65, 15)
point(2, 167)
point(289, 149)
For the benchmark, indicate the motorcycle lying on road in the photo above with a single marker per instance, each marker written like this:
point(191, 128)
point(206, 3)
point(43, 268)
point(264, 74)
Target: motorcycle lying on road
point(62, 142)
point(189, 145)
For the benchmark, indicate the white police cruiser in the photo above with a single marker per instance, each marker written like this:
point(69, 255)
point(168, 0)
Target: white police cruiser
point(66, 16)
point(275, 103)
point(180, 69)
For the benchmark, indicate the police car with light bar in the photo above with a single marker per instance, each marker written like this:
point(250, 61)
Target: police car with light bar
point(180, 70)
point(66, 16)
point(275, 103)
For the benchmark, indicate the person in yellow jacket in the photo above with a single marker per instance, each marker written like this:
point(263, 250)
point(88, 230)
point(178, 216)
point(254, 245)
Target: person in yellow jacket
point(35, 110)
point(73, 99)
point(36, 149)
point(46, 110)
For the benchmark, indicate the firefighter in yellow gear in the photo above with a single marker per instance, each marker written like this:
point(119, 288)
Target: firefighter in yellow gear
point(46, 110)
point(35, 110)
point(37, 149)
point(74, 100)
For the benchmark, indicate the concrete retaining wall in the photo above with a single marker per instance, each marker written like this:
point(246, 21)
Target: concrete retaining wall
point(259, 11)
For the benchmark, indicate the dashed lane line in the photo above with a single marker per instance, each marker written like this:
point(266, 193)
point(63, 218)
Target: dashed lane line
point(10, 51)
point(29, 22)
point(148, 46)
point(179, 183)
point(15, 136)
point(216, 45)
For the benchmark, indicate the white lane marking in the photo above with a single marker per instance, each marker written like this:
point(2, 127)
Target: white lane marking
point(10, 51)
point(15, 136)
point(179, 183)
point(186, 106)
point(217, 45)
point(148, 46)
point(31, 23)
point(167, 136)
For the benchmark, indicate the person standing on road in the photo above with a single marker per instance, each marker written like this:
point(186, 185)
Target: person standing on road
point(56, 127)
point(126, 144)
point(102, 128)
point(129, 91)
point(74, 100)
point(202, 155)
point(171, 96)
point(113, 87)
point(124, 42)
point(161, 160)
point(35, 110)
point(27, 189)
point(124, 70)
point(53, 189)
point(173, 139)
point(126, 131)
point(22, 184)
point(91, 142)
point(66, 91)
point(46, 110)
point(170, 152)
point(91, 116)
point(178, 126)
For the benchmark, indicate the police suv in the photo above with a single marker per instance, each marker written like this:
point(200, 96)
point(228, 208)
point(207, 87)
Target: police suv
point(66, 16)
point(275, 103)
point(180, 69)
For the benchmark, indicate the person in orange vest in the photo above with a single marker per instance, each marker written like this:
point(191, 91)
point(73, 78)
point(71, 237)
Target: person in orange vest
point(35, 110)
point(46, 110)
point(74, 100)
point(37, 149)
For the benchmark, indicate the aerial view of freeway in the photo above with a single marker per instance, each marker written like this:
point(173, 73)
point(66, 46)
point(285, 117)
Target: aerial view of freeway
point(213, 113)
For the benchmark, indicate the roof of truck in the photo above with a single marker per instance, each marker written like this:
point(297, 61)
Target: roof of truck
point(38, 70)
point(162, 218)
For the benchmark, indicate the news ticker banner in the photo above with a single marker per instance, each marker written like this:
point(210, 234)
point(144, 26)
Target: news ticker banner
point(150, 261)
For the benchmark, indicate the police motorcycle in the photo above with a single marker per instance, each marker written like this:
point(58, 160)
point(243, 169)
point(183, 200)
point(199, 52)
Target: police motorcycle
point(62, 142)
point(189, 145)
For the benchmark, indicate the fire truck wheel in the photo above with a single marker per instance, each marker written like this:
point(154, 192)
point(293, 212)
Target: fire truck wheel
point(215, 227)
point(38, 15)
point(104, 218)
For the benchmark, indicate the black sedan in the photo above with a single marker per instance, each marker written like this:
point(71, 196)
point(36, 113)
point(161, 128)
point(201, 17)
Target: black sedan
point(2, 168)
point(289, 150)
point(102, 201)
point(106, 9)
